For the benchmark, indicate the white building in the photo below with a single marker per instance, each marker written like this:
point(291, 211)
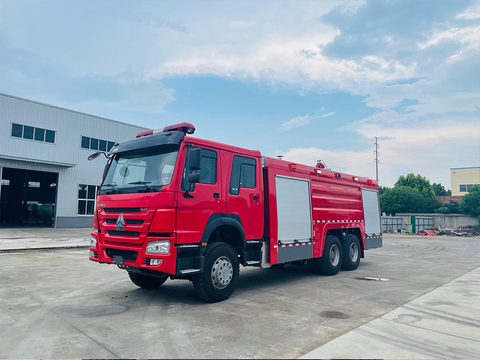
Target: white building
point(46, 179)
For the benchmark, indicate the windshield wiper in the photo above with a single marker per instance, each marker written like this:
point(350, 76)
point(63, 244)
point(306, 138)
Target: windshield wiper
point(147, 187)
point(114, 188)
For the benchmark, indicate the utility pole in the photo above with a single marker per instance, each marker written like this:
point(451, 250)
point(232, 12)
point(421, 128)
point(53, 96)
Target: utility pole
point(376, 156)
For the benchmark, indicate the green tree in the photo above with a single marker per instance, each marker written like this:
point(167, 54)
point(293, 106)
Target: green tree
point(440, 190)
point(470, 204)
point(421, 183)
point(452, 207)
point(381, 189)
point(406, 199)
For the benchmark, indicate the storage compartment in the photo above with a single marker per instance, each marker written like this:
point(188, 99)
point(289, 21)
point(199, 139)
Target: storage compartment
point(371, 209)
point(294, 210)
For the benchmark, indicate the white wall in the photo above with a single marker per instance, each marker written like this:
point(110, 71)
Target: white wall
point(69, 127)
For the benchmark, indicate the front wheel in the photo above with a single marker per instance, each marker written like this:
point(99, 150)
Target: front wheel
point(147, 282)
point(220, 275)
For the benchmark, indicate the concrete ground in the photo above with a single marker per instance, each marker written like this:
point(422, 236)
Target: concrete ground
point(27, 238)
point(57, 304)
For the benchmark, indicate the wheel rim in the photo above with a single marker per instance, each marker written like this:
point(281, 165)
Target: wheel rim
point(353, 252)
point(222, 272)
point(334, 255)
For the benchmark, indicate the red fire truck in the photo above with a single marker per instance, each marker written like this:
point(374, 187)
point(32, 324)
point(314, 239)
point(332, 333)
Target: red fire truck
point(179, 207)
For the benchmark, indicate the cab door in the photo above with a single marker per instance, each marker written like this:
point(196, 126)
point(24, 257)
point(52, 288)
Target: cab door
point(244, 194)
point(204, 199)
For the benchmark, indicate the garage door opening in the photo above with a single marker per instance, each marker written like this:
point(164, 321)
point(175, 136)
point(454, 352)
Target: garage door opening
point(28, 198)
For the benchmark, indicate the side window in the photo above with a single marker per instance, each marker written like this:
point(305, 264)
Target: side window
point(243, 174)
point(208, 169)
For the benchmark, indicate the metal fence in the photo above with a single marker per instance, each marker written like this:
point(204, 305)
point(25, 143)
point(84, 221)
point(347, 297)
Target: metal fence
point(394, 223)
point(391, 223)
point(423, 222)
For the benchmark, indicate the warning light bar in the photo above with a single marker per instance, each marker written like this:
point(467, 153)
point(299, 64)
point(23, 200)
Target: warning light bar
point(183, 127)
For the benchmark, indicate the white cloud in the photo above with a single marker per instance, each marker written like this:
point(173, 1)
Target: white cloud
point(301, 121)
point(296, 122)
point(429, 149)
point(292, 59)
point(469, 36)
point(470, 13)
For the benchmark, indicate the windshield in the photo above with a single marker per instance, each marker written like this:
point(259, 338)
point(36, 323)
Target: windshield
point(141, 170)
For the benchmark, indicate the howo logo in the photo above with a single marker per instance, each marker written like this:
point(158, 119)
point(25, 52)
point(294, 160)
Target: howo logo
point(120, 223)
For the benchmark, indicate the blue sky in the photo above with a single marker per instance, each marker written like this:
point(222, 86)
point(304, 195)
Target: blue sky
point(306, 80)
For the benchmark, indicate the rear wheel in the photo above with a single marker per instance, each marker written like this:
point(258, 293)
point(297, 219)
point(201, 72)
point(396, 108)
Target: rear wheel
point(351, 252)
point(220, 275)
point(331, 260)
point(147, 282)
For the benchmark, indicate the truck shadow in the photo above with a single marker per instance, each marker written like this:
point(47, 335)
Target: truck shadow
point(251, 279)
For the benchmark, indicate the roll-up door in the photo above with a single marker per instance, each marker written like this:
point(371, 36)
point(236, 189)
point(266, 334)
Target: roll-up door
point(371, 211)
point(294, 212)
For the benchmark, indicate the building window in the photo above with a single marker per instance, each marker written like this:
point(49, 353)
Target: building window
point(86, 199)
point(96, 144)
point(33, 133)
point(466, 187)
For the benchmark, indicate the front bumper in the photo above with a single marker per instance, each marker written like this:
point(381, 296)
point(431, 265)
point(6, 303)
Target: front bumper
point(134, 254)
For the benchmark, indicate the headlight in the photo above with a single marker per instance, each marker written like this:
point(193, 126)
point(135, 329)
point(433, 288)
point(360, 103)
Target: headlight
point(93, 242)
point(158, 247)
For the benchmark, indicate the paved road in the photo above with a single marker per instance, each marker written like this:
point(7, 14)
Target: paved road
point(57, 304)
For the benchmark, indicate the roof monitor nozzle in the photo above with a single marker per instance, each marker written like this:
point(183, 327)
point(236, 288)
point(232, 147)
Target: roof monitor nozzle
point(321, 164)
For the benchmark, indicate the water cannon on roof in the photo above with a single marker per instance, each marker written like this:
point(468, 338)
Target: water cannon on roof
point(184, 127)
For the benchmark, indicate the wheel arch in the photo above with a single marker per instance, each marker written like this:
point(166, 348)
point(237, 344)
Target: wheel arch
point(225, 228)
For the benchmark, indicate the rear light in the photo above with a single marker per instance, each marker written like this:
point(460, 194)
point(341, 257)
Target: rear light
point(293, 166)
point(186, 128)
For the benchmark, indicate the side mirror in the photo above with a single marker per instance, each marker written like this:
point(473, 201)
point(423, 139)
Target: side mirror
point(194, 157)
point(94, 155)
point(193, 178)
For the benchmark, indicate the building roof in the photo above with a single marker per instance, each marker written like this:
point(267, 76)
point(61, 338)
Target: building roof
point(468, 167)
point(446, 199)
point(74, 111)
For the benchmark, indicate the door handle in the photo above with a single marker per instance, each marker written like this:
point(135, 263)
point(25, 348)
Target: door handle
point(255, 198)
point(216, 195)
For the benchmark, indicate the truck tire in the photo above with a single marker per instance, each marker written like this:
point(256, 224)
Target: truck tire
point(147, 282)
point(331, 260)
point(220, 275)
point(351, 252)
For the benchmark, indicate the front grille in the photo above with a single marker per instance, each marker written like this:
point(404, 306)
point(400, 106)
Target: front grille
point(121, 210)
point(128, 221)
point(127, 255)
point(123, 233)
